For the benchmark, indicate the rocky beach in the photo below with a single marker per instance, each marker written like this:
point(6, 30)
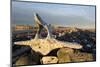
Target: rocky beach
point(24, 55)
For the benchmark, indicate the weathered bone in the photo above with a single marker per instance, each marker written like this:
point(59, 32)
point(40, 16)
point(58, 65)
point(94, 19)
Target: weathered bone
point(44, 46)
point(40, 24)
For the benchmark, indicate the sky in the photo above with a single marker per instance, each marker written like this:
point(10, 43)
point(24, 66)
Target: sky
point(55, 14)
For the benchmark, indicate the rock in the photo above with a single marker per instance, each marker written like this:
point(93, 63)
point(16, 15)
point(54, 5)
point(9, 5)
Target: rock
point(23, 60)
point(31, 58)
point(65, 50)
point(79, 57)
point(64, 58)
point(64, 55)
point(49, 60)
point(69, 55)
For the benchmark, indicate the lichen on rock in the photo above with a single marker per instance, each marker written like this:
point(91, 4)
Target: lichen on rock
point(69, 55)
point(64, 55)
point(79, 57)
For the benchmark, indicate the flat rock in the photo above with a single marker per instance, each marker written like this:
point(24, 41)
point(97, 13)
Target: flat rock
point(49, 60)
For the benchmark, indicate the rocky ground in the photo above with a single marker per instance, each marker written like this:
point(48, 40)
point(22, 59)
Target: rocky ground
point(24, 55)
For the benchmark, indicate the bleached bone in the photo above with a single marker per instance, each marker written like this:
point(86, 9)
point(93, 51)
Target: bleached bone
point(45, 46)
point(40, 24)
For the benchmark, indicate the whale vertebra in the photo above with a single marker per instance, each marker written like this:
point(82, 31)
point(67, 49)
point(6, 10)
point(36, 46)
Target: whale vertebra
point(45, 46)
